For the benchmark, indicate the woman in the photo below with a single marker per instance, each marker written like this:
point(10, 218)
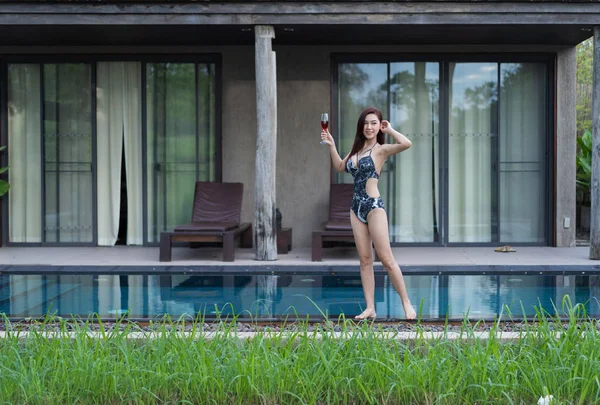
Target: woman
point(367, 215)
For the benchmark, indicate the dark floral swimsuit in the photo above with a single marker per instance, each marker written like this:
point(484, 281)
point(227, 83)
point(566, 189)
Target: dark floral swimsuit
point(363, 203)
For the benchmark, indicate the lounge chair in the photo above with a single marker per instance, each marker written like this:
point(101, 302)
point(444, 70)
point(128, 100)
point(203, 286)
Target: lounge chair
point(337, 228)
point(215, 218)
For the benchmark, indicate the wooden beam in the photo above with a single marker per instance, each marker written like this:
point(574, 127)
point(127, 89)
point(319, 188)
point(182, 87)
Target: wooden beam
point(252, 13)
point(299, 19)
point(266, 145)
point(299, 7)
point(595, 180)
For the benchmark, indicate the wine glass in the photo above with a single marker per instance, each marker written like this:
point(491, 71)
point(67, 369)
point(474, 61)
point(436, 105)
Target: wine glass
point(324, 124)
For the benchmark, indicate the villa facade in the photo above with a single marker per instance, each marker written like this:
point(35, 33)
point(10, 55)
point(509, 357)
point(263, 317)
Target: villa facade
point(112, 110)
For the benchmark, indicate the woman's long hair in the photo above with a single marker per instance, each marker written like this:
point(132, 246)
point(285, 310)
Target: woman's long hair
point(359, 139)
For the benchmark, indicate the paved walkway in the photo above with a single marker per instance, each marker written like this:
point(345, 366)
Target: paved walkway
point(405, 256)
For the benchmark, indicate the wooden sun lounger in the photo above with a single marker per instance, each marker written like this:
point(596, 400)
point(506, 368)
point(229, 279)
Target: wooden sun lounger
point(337, 228)
point(215, 218)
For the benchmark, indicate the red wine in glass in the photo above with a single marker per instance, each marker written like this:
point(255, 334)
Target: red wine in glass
point(324, 124)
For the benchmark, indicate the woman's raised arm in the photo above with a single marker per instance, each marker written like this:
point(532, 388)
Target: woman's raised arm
point(402, 142)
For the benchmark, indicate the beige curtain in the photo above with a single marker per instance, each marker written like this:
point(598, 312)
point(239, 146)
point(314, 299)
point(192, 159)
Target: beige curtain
point(119, 124)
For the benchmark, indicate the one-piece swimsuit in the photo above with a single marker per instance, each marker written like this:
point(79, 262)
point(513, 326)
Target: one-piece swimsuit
point(363, 203)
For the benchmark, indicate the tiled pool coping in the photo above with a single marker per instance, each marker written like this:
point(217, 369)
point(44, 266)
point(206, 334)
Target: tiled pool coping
point(273, 269)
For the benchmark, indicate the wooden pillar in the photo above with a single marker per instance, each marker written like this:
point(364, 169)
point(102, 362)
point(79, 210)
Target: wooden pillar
point(266, 145)
point(595, 181)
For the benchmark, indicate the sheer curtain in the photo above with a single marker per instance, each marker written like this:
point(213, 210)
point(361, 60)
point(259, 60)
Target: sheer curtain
point(414, 210)
point(24, 154)
point(473, 103)
point(119, 123)
point(522, 150)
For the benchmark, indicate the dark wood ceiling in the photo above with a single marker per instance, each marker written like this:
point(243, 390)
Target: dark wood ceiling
point(82, 35)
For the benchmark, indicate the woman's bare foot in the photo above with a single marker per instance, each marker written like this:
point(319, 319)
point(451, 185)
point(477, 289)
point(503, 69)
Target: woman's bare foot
point(367, 314)
point(409, 311)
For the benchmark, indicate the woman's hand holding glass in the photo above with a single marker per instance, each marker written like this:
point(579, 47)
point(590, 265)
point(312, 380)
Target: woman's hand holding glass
point(326, 138)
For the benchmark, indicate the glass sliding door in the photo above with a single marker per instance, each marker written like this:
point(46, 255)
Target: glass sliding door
point(68, 152)
point(488, 135)
point(51, 153)
point(414, 192)
point(361, 85)
point(24, 153)
point(523, 128)
point(472, 146)
point(72, 128)
point(407, 93)
point(181, 147)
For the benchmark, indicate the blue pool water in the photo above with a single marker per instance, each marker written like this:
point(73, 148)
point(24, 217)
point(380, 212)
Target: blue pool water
point(281, 296)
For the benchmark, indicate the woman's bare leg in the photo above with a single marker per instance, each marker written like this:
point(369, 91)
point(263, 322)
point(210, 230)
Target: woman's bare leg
point(362, 239)
point(378, 228)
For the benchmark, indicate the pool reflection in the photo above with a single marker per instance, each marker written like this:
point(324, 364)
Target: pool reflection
point(278, 296)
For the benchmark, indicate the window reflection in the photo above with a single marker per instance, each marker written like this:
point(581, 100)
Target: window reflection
point(181, 141)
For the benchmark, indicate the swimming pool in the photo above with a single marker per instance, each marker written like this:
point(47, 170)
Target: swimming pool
point(268, 297)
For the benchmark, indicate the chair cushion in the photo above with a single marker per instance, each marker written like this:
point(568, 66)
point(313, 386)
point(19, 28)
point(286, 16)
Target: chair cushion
point(206, 226)
point(340, 200)
point(217, 202)
point(338, 226)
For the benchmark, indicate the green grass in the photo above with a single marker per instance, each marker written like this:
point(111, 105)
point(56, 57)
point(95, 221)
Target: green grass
point(302, 367)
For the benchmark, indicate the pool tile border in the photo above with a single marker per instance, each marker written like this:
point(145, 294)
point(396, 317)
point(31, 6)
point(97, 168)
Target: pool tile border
point(301, 269)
